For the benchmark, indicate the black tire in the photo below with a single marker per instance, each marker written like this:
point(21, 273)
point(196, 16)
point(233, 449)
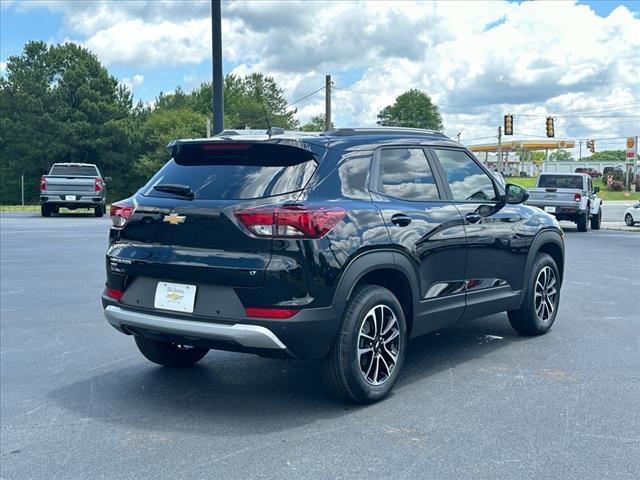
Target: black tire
point(527, 319)
point(45, 211)
point(169, 354)
point(628, 219)
point(344, 370)
point(99, 211)
point(583, 222)
point(596, 220)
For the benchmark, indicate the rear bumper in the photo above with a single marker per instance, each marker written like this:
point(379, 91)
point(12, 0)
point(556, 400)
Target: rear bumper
point(249, 336)
point(308, 335)
point(79, 199)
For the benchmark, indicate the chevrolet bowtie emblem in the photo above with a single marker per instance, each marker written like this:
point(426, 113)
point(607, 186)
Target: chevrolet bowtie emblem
point(174, 219)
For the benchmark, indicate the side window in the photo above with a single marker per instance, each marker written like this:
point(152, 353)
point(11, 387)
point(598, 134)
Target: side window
point(405, 173)
point(467, 181)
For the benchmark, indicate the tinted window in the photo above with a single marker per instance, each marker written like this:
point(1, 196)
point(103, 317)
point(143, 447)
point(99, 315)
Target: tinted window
point(74, 170)
point(405, 173)
point(232, 181)
point(467, 181)
point(560, 181)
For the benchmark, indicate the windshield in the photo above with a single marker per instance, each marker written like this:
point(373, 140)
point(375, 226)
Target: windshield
point(235, 180)
point(560, 181)
point(74, 170)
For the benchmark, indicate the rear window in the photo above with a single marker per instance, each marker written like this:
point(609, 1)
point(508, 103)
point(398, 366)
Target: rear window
point(74, 170)
point(560, 181)
point(262, 171)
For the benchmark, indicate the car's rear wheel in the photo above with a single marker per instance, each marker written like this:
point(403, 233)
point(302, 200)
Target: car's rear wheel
point(628, 219)
point(596, 220)
point(45, 211)
point(583, 221)
point(367, 355)
point(99, 211)
point(540, 306)
point(169, 354)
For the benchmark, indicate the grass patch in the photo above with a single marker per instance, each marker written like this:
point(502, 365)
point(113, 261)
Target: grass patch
point(19, 208)
point(530, 182)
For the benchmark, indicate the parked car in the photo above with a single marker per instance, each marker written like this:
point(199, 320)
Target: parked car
point(73, 186)
point(568, 196)
point(592, 172)
point(632, 215)
point(338, 246)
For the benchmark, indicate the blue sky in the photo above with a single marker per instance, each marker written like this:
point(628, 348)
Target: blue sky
point(508, 55)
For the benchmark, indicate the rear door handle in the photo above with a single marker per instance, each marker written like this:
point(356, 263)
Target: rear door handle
point(473, 217)
point(400, 219)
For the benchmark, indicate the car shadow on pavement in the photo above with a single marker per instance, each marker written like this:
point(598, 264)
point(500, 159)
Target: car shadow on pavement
point(238, 394)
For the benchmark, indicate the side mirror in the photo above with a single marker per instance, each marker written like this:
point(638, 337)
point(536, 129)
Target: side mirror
point(516, 194)
point(596, 189)
point(107, 179)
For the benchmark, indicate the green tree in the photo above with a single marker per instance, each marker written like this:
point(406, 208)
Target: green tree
point(59, 104)
point(413, 108)
point(618, 156)
point(158, 128)
point(316, 124)
point(561, 156)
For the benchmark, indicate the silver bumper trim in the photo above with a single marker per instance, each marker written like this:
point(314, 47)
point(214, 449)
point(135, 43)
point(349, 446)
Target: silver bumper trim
point(250, 336)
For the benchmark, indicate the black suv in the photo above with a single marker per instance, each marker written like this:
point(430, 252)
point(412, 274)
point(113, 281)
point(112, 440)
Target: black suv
point(338, 246)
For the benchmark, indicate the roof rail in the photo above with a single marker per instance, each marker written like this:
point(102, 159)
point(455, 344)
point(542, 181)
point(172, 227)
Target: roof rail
point(347, 132)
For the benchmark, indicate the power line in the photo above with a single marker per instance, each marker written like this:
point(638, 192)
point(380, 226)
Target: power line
point(288, 105)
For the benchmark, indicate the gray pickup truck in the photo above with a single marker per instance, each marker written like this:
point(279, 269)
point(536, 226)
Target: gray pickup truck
point(73, 185)
point(568, 196)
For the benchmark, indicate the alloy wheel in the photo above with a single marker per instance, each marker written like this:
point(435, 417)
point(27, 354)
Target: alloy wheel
point(378, 344)
point(546, 294)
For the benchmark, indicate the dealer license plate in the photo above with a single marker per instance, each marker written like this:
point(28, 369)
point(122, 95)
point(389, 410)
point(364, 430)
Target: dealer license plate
point(175, 296)
point(550, 209)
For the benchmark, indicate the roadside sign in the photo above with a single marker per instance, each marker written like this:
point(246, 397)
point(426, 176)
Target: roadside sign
point(632, 149)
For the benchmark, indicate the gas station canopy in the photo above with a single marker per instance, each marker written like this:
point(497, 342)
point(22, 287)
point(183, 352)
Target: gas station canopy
point(524, 145)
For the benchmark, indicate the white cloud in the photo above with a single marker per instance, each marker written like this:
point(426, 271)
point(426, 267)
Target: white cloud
point(3, 67)
point(134, 82)
point(478, 60)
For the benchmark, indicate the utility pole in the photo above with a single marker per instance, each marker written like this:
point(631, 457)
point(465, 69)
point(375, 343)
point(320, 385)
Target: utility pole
point(327, 103)
point(216, 49)
point(499, 161)
point(580, 154)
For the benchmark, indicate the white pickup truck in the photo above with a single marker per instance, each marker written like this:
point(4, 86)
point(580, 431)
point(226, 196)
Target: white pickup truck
point(568, 196)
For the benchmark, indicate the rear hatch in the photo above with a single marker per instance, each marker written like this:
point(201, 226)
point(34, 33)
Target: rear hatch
point(71, 179)
point(188, 231)
point(558, 190)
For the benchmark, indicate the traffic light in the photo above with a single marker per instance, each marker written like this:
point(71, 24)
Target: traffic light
point(591, 145)
point(508, 124)
point(550, 132)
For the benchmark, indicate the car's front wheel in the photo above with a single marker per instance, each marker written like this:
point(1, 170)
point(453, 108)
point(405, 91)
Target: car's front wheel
point(542, 298)
point(365, 360)
point(628, 219)
point(169, 354)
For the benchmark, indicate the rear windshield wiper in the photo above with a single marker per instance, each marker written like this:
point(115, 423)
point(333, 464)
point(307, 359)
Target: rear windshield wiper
point(176, 189)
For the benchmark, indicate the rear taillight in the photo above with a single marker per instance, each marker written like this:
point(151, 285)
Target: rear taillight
point(121, 213)
point(43, 184)
point(577, 197)
point(98, 185)
point(270, 312)
point(291, 221)
point(113, 293)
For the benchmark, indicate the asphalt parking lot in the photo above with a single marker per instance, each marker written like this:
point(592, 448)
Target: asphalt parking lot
point(478, 401)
